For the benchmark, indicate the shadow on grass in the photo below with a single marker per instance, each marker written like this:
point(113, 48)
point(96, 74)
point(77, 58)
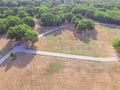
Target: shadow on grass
point(84, 36)
point(20, 61)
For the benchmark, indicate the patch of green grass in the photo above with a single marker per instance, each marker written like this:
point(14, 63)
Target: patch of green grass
point(54, 68)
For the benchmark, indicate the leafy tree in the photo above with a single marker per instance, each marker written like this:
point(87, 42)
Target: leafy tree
point(15, 11)
point(57, 20)
point(29, 21)
point(22, 14)
point(116, 45)
point(13, 21)
point(3, 25)
point(18, 32)
point(68, 16)
point(90, 24)
point(31, 36)
point(81, 26)
point(30, 10)
point(76, 18)
point(49, 19)
point(8, 13)
point(42, 9)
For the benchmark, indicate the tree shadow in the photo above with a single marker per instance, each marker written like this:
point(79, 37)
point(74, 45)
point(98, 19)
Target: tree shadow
point(118, 56)
point(86, 36)
point(21, 61)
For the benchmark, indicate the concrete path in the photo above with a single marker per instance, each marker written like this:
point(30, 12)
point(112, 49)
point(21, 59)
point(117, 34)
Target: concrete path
point(53, 30)
point(108, 25)
point(5, 57)
point(22, 49)
point(70, 56)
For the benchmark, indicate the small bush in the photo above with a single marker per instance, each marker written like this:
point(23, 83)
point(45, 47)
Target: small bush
point(12, 54)
point(116, 45)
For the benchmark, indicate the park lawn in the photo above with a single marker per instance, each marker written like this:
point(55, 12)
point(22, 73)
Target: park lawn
point(96, 42)
point(5, 45)
point(34, 72)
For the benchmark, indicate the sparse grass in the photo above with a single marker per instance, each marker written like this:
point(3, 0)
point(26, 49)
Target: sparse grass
point(29, 72)
point(5, 45)
point(54, 68)
point(94, 43)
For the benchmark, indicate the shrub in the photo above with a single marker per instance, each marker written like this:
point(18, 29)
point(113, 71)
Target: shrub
point(116, 45)
point(12, 54)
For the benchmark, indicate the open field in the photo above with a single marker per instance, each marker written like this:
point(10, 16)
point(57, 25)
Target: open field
point(5, 45)
point(97, 42)
point(29, 72)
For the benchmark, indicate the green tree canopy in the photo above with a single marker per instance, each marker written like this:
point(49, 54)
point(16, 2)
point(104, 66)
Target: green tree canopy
point(116, 45)
point(3, 26)
point(29, 21)
point(49, 19)
point(22, 14)
point(22, 31)
point(13, 21)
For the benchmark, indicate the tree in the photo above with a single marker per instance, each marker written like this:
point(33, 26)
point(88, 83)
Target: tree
point(68, 16)
point(42, 9)
point(90, 24)
point(13, 21)
point(22, 14)
point(29, 21)
point(57, 20)
point(116, 45)
point(3, 26)
point(31, 36)
point(30, 10)
point(81, 26)
point(22, 31)
point(49, 19)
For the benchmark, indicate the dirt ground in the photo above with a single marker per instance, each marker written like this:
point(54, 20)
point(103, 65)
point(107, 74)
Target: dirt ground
point(5, 45)
point(96, 42)
point(29, 72)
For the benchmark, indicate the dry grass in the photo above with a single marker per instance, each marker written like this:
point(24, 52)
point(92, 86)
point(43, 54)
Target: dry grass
point(29, 72)
point(97, 42)
point(5, 45)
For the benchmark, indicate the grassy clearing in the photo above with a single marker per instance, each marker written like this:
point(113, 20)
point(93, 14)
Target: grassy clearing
point(93, 43)
point(29, 72)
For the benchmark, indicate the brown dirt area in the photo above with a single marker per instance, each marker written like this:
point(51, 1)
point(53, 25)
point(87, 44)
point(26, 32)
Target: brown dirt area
point(96, 42)
point(29, 72)
point(5, 44)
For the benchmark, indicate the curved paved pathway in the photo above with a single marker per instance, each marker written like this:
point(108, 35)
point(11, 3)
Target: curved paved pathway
point(53, 30)
point(22, 49)
point(108, 25)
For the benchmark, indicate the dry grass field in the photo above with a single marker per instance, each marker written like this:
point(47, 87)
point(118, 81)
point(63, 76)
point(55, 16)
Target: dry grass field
point(96, 42)
point(29, 72)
